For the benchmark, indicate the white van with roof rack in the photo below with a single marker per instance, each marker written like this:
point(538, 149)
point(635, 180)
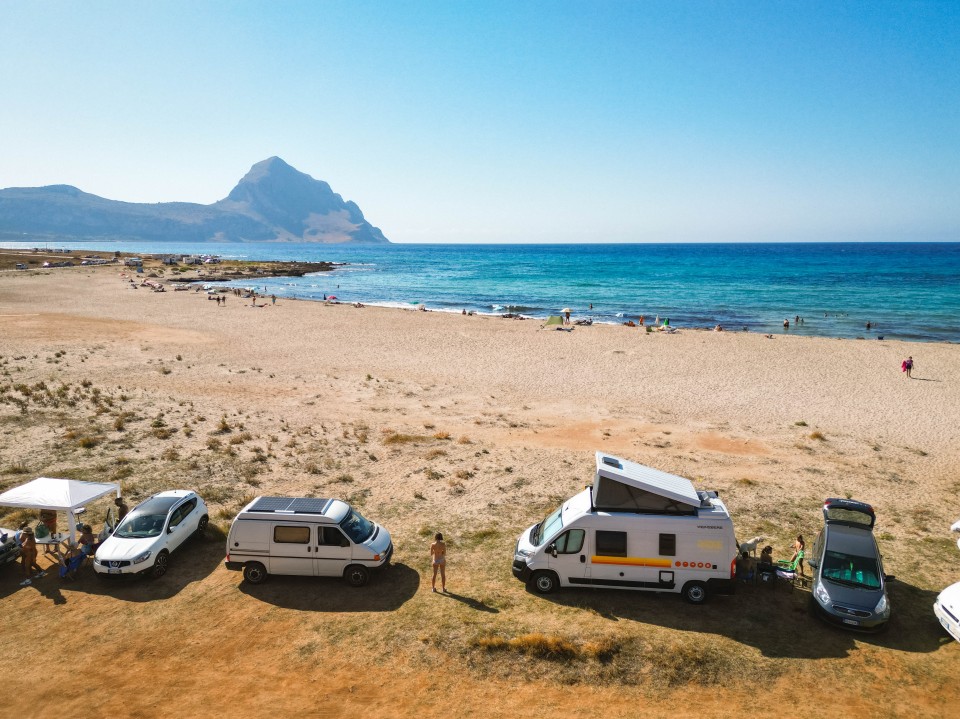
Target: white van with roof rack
point(634, 528)
point(306, 536)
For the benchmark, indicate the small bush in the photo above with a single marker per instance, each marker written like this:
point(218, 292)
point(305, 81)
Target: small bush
point(162, 433)
point(818, 436)
point(88, 442)
point(801, 423)
point(441, 435)
point(213, 444)
point(398, 438)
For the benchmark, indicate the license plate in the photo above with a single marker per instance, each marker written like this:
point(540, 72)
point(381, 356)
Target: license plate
point(112, 571)
point(854, 622)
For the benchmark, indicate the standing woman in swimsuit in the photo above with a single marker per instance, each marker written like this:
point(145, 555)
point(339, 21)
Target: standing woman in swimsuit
point(438, 555)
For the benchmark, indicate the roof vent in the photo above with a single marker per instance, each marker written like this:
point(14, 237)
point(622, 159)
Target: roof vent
point(611, 462)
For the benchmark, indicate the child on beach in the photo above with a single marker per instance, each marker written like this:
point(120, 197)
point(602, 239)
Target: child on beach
point(907, 366)
point(438, 554)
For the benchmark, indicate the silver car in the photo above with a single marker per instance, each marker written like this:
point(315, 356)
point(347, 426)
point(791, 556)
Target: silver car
point(849, 586)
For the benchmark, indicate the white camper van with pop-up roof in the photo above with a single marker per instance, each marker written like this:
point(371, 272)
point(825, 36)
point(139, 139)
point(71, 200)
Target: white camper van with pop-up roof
point(634, 528)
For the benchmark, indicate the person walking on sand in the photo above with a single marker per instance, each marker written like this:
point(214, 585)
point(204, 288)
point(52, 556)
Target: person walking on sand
point(907, 366)
point(438, 556)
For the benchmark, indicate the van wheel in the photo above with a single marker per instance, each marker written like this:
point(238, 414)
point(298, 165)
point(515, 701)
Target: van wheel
point(160, 564)
point(544, 582)
point(356, 575)
point(255, 573)
point(695, 592)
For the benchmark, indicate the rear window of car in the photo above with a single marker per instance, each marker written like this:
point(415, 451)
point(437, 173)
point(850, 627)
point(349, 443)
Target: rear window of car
point(849, 516)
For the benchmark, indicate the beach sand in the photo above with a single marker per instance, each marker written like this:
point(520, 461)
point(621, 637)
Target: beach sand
point(474, 426)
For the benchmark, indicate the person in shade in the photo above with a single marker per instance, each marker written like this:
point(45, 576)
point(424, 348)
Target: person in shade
point(29, 557)
point(122, 508)
point(438, 558)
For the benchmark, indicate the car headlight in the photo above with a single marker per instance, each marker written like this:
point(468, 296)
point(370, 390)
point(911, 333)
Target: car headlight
point(821, 594)
point(882, 605)
point(142, 558)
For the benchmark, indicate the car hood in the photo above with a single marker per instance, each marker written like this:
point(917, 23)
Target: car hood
point(853, 597)
point(949, 598)
point(115, 549)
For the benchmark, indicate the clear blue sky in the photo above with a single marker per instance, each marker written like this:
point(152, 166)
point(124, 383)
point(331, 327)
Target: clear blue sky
point(506, 121)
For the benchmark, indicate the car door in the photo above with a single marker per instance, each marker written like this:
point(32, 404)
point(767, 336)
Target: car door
point(178, 528)
point(567, 556)
point(291, 549)
point(334, 551)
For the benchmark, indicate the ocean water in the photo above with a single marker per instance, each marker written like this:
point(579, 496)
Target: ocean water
point(905, 290)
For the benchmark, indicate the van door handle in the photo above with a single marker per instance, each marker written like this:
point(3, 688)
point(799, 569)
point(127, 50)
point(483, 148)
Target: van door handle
point(583, 559)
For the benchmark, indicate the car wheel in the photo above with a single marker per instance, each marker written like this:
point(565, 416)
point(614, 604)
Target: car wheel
point(695, 592)
point(544, 582)
point(202, 526)
point(356, 575)
point(160, 564)
point(255, 573)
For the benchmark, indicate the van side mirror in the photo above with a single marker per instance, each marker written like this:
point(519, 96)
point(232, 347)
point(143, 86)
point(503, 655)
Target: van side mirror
point(552, 549)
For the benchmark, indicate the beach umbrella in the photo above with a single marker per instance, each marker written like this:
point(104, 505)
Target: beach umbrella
point(332, 297)
point(566, 309)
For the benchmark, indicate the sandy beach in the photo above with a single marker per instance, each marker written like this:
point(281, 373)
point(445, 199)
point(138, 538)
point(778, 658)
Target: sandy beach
point(474, 426)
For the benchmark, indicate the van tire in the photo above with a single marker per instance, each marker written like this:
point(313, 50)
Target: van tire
point(544, 582)
point(356, 575)
point(255, 573)
point(695, 592)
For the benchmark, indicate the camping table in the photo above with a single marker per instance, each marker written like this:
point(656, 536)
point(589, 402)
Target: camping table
point(57, 542)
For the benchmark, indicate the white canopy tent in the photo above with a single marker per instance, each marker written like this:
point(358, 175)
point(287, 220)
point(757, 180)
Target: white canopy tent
point(60, 495)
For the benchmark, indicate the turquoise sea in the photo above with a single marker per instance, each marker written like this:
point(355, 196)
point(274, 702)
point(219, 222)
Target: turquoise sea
point(905, 290)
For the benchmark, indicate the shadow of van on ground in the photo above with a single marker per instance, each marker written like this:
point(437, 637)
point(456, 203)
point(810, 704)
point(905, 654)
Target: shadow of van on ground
point(776, 620)
point(387, 589)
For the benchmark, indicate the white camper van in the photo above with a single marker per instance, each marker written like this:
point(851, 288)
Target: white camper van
point(635, 528)
point(311, 537)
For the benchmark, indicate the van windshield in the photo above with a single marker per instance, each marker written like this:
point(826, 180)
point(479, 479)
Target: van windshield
point(357, 527)
point(547, 528)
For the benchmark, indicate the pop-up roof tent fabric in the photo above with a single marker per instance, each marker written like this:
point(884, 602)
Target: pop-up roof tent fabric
point(62, 495)
point(623, 486)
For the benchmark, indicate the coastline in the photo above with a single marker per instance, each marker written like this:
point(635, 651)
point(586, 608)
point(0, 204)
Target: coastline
point(496, 422)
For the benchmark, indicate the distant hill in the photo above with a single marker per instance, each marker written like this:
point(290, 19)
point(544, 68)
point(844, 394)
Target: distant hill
point(272, 202)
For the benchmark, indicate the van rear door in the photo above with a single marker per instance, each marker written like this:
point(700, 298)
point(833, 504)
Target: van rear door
point(334, 551)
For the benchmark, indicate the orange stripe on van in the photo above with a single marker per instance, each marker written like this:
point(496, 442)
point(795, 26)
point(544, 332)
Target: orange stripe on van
point(632, 561)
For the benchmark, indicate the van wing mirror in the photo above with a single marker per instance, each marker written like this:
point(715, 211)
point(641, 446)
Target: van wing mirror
point(552, 549)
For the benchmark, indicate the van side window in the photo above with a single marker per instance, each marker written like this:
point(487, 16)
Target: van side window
point(668, 545)
point(570, 542)
point(291, 535)
point(331, 536)
point(611, 544)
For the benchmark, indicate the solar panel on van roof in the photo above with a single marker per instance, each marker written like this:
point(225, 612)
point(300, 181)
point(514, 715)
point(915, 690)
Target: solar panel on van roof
point(300, 505)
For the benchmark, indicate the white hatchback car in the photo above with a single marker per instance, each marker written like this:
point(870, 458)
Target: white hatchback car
point(143, 541)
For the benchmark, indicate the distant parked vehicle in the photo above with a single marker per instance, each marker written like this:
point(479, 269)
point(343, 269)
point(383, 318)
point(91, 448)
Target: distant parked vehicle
point(146, 537)
point(9, 550)
point(306, 536)
point(947, 609)
point(849, 586)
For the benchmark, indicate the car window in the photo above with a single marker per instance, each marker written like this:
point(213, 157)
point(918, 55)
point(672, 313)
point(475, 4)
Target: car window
point(286, 534)
point(331, 536)
point(570, 542)
point(851, 569)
